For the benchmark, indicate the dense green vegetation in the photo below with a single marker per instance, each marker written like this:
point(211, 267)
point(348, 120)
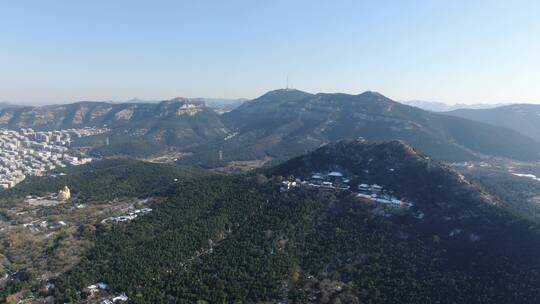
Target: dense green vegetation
point(522, 118)
point(94, 184)
point(266, 251)
point(107, 179)
point(129, 146)
point(519, 192)
point(238, 239)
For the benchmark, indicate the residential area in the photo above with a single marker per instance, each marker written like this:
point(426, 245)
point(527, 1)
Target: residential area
point(27, 152)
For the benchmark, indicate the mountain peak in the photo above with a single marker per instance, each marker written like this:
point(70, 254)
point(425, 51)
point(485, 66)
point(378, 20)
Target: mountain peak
point(395, 145)
point(284, 95)
point(373, 95)
point(393, 164)
point(356, 155)
point(353, 150)
point(178, 99)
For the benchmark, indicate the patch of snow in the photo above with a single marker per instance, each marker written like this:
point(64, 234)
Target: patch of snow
point(532, 176)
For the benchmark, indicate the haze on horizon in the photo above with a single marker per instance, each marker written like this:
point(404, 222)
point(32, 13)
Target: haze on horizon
point(446, 51)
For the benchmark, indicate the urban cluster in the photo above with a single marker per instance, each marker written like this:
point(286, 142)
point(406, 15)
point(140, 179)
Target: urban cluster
point(28, 152)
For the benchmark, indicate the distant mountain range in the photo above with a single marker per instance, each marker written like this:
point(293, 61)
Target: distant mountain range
point(278, 125)
point(220, 105)
point(436, 106)
point(523, 118)
point(7, 104)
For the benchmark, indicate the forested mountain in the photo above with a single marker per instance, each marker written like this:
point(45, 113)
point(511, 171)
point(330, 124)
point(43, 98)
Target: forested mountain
point(220, 105)
point(88, 113)
point(285, 123)
point(278, 125)
point(232, 239)
point(523, 118)
point(521, 192)
point(136, 128)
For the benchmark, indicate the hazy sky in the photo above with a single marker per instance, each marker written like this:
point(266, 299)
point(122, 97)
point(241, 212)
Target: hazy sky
point(451, 51)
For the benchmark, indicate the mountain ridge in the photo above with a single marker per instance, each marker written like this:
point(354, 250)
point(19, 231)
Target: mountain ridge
point(304, 123)
point(436, 106)
point(522, 118)
point(279, 124)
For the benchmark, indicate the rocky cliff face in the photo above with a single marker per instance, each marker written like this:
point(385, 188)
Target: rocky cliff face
point(83, 114)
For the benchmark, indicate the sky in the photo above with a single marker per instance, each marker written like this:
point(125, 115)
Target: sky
point(448, 51)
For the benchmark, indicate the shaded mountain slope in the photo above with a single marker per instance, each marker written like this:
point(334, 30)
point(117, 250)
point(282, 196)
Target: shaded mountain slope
point(286, 123)
point(523, 118)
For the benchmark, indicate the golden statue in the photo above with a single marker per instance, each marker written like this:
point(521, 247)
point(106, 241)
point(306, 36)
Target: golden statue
point(64, 194)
